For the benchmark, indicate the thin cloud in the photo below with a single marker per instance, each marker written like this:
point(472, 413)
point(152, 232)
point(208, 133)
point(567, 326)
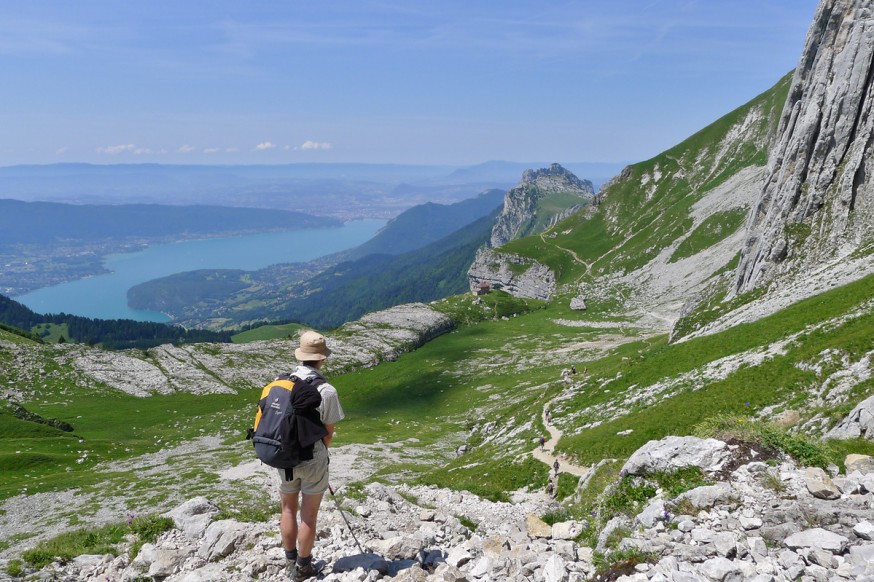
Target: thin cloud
point(116, 149)
point(62, 151)
point(265, 146)
point(211, 150)
point(315, 145)
point(185, 149)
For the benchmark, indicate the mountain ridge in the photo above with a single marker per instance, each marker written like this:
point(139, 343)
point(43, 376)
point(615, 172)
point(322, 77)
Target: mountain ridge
point(464, 411)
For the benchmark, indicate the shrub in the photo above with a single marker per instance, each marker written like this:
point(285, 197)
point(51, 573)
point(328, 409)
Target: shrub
point(68, 545)
point(767, 435)
point(14, 568)
point(467, 522)
point(101, 540)
point(567, 484)
point(681, 480)
point(557, 516)
point(629, 495)
point(147, 528)
point(612, 565)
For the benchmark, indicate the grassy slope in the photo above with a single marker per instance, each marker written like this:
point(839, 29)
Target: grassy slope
point(486, 383)
point(640, 216)
point(267, 332)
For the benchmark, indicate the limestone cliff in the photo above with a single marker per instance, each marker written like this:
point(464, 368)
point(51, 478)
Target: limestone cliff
point(542, 198)
point(817, 204)
point(518, 276)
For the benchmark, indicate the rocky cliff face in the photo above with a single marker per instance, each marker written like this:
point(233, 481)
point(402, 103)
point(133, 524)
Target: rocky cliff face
point(522, 203)
point(516, 275)
point(817, 205)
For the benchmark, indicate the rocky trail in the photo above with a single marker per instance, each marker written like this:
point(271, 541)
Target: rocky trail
point(546, 454)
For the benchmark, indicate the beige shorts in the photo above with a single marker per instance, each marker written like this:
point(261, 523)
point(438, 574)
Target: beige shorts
point(310, 477)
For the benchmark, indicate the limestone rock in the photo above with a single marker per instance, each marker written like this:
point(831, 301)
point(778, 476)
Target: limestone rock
point(865, 530)
point(675, 452)
point(706, 496)
point(566, 530)
point(193, 516)
point(221, 538)
point(859, 423)
point(819, 484)
point(817, 538)
point(537, 528)
point(862, 463)
point(518, 276)
point(818, 202)
point(519, 216)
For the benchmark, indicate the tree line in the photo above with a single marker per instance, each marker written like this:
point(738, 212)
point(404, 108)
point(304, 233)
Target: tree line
point(107, 333)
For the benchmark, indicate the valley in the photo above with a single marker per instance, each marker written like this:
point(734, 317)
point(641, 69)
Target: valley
point(716, 302)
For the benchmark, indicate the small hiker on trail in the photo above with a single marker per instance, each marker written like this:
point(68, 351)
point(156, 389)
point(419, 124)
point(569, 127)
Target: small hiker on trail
point(573, 369)
point(542, 442)
point(555, 466)
point(548, 415)
point(550, 489)
point(302, 487)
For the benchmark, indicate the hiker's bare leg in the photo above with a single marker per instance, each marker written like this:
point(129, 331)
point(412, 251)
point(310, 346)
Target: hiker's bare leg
point(288, 520)
point(309, 511)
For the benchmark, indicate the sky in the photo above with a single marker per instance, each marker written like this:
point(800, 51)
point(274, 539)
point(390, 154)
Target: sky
point(380, 81)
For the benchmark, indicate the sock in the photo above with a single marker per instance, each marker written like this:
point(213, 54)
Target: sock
point(291, 555)
point(304, 561)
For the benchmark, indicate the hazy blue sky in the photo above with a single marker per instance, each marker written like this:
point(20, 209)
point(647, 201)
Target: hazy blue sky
point(401, 81)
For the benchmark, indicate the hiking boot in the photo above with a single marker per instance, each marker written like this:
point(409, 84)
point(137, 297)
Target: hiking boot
point(304, 572)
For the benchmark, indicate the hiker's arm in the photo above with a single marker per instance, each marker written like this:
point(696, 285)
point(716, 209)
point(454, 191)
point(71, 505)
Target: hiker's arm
point(330, 436)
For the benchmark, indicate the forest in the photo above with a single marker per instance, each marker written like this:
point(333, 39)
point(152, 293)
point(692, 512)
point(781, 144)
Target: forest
point(106, 333)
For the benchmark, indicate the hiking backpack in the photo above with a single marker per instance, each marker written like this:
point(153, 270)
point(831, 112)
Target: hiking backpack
point(287, 422)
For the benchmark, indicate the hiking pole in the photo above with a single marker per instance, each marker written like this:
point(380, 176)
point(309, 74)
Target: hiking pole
point(340, 509)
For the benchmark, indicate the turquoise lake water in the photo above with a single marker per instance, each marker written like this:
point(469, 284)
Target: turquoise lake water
point(105, 296)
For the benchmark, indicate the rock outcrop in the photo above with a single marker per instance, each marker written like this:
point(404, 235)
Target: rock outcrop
point(225, 368)
point(522, 203)
point(817, 205)
point(858, 424)
point(518, 276)
point(760, 523)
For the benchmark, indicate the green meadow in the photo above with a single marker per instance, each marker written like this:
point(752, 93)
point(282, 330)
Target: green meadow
point(483, 385)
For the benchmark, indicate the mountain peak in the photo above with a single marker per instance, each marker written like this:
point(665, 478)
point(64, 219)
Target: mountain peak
point(524, 212)
point(554, 178)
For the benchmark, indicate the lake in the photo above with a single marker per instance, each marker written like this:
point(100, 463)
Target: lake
point(105, 296)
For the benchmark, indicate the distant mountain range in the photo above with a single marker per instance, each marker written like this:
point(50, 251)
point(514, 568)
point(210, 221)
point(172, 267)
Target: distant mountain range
point(345, 191)
point(49, 222)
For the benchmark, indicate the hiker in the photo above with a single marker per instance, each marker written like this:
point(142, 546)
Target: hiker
point(555, 466)
point(302, 487)
point(542, 442)
point(573, 369)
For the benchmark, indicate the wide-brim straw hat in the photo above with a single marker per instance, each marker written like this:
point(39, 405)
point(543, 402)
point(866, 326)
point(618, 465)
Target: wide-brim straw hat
point(312, 347)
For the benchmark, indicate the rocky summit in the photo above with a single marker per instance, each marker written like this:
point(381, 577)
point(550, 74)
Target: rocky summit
point(761, 521)
point(521, 204)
